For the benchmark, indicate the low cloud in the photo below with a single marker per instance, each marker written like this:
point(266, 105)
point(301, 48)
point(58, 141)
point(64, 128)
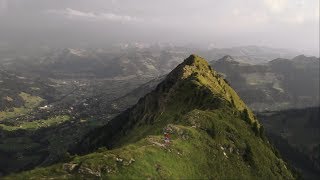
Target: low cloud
point(93, 16)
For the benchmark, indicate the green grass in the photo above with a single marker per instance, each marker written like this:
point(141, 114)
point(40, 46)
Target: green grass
point(33, 125)
point(193, 153)
point(214, 136)
point(30, 102)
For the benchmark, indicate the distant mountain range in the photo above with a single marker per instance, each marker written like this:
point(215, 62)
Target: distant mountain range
point(128, 61)
point(279, 84)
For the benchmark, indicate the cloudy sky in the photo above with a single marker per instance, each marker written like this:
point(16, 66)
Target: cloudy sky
point(276, 23)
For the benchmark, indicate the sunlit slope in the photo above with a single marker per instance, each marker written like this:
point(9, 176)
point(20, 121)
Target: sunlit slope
point(213, 135)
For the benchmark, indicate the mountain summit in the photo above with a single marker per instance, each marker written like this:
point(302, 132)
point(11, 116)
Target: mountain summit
point(191, 85)
point(193, 125)
point(227, 58)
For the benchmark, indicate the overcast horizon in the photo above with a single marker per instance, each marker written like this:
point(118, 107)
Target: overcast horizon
point(273, 23)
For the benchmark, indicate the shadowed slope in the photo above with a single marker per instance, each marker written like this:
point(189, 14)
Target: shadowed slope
point(213, 135)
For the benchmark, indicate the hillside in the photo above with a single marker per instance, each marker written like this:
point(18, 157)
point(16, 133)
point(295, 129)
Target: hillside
point(277, 85)
point(296, 134)
point(213, 135)
point(41, 118)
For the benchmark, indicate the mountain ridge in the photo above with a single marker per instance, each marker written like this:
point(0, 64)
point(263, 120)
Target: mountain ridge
point(194, 69)
point(213, 135)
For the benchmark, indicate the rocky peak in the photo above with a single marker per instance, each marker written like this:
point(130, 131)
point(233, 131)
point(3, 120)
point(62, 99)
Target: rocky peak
point(192, 65)
point(227, 58)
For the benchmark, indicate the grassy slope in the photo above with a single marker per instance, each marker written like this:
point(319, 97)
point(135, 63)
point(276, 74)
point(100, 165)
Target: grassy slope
point(211, 136)
point(33, 125)
point(30, 102)
point(196, 151)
